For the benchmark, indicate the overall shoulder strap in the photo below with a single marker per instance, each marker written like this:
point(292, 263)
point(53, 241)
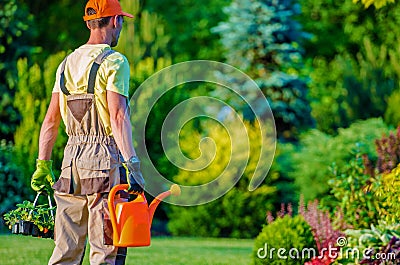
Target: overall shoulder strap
point(95, 67)
point(92, 74)
point(62, 78)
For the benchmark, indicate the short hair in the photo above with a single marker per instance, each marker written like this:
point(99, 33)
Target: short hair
point(98, 22)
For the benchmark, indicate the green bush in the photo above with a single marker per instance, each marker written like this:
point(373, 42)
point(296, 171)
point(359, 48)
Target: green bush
point(289, 233)
point(366, 191)
point(392, 114)
point(316, 151)
point(239, 212)
point(370, 241)
point(12, 188)
point(388, 192)
point(349, 185)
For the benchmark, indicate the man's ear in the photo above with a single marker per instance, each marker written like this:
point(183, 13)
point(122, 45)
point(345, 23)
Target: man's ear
point(87, 25)
point(115, 21)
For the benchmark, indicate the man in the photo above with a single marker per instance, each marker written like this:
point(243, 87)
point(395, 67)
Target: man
point(90, 95)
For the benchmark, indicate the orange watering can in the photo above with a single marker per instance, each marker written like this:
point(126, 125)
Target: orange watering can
point(131, 221)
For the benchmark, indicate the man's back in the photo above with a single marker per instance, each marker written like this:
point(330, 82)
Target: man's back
point(112, 75)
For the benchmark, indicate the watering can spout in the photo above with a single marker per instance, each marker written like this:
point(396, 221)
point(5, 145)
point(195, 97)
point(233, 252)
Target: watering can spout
point(174, 190)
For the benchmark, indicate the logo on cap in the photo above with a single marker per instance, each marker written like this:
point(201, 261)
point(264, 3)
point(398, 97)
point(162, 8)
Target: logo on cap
point(104, 8)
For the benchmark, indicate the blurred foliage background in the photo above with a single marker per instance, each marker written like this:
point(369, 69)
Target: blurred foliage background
point(329, 69)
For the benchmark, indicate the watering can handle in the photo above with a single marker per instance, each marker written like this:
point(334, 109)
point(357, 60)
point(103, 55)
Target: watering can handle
point(111, 208)
point(175, 190)
point(114, 191)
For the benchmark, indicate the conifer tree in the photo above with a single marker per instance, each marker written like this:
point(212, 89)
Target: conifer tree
point(262, 39)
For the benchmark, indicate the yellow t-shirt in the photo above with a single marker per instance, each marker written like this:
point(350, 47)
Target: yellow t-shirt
point(112, 75)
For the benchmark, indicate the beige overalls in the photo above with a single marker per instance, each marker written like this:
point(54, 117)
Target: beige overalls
point(90, 168)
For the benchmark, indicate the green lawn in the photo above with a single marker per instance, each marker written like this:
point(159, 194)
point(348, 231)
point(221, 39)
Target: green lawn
point(24, 250)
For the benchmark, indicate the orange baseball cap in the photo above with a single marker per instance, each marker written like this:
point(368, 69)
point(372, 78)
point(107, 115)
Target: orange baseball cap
point(104, 8)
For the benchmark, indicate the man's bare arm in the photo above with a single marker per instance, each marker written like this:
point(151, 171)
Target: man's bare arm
point(120, 123)
point(49, 129)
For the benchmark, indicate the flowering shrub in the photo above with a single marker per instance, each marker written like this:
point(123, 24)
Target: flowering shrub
point(325, 235)
point(388, 150)
point(323, 231)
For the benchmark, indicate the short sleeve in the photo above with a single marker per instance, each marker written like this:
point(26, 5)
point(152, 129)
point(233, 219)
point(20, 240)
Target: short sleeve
point(118, 74)
point(56, 88)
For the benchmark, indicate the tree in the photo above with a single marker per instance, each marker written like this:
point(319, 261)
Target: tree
point(144, 42)
point(262, 39)
point(355, 88)
point(377, 3)
point(353, 58)
point(67, 26)
point(34, 88)
point(15, 37)
point(188, 23)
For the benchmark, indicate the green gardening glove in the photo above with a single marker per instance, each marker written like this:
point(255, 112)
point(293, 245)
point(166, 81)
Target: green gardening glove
point(43, 177)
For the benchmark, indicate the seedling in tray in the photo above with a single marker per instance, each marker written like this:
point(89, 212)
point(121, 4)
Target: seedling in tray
point(31, 219)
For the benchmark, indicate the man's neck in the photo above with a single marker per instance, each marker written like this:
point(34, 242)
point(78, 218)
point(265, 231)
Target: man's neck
point(99, 36)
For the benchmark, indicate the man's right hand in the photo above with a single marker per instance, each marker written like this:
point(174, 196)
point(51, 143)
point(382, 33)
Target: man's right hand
point(43, 178)
point(135, 178)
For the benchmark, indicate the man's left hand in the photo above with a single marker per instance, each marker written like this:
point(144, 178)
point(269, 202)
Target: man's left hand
point(135, 178)
point(43, 178)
